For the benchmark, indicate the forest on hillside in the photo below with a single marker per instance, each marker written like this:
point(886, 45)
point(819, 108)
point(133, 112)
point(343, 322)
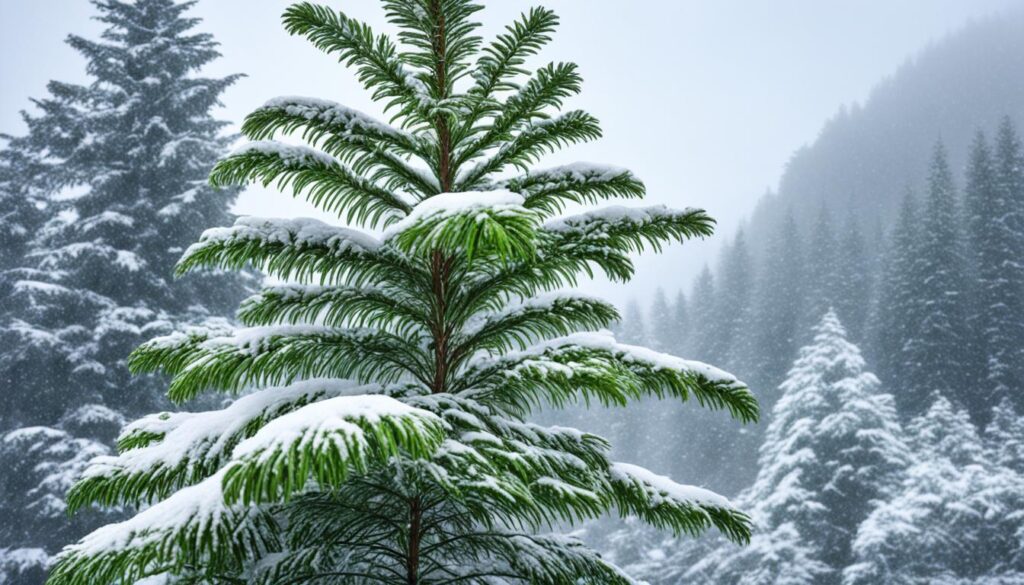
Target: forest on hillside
point(421, 392)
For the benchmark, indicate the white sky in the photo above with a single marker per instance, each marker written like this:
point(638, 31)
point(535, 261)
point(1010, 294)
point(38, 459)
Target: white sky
point(704, 99)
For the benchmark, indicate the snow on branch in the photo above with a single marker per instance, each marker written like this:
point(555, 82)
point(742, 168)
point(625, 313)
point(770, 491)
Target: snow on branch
point(664, 503)
point(327, 441)
point(280, 245)
point(165, 452)
point(473, 223)
point(630, 228)
point(193, 527)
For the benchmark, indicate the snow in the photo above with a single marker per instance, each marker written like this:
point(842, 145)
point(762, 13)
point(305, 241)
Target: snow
point(659, 487)
point(615, 214)
point(327, 420)
point(579, 172)
point(539, 302)
point(446, 205)
point(19, 560)
point(327, 111)
point(300, 232)
point(203, 437)
point(604, 340)
point(201, 505)
point(292, 155)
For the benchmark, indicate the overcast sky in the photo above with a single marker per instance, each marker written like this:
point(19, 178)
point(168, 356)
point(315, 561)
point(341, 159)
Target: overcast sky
point(704, 100)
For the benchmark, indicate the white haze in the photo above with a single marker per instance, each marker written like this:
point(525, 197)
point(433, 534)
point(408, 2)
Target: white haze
point(703, 100)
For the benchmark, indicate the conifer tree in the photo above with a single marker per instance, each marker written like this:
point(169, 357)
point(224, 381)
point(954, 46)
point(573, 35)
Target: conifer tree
point(384, 438)
point(663, 324)
point(995, 207)
point(853, 271)
point(778, 310)
point(128, 153)
point(954, 518)
point(822, 270)
point(833, 447)
point(633, 328)
point(680, 323)
point(897, 308)
point(702, 314)
point(938, 349)
point(732, 303)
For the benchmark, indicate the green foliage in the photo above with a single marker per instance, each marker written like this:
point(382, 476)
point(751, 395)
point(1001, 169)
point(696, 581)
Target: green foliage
point(380, 433)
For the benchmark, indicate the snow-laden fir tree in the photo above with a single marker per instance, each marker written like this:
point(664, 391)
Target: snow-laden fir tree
point(821, 272)
point(702, 303)
point(383, 437)
point(955, 519)
point(778, 306)
point(663, 327)
point(833, 448)
point(732, 302)
point(897, 308)
point(680, 323)
point(938, 348)
point(633, 327)
point(853, 273)
point(994, 197)
point(118, 167)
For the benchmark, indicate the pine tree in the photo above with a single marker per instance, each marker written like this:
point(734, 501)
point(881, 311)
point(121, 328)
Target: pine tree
point(732, 303)
point(995, 206)
point(680, 323)
point(834, 446)
point(955, 519)
point(702, 313)
point(822, 270)
point(633, 329)
point(853, 270)
point(663, 326)
point(777, 313)
point(384, 438)
point(897, 307)
point(937, 351)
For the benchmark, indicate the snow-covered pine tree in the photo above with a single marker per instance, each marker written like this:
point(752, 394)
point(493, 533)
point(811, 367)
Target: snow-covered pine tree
point(853, 296)
point(680, 323)
point(383, 438)
point(732, 302)
point(702, 313)
point(995, 205)
point(821, 272)
point(938, 348)
point(663, 327)
point(778, 307)
point(119, 168)
point(896, 310)
point(633, 327)
point(834, 446)
point(955, 518)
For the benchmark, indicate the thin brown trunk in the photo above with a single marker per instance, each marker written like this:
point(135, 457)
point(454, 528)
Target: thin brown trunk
point(412, 566)
point(439, 268)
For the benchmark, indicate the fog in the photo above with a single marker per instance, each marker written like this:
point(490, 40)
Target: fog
point(705, 101)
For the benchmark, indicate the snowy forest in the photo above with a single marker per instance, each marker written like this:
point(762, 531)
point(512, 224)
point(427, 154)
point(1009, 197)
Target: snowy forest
point(428, 387)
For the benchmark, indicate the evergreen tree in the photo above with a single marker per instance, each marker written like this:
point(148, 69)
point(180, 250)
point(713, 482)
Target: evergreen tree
point(897, 308)
point(680, 323)
point(663, 326)
point(633, 329)
point(937, 351)
point(853, 291)
point(702, 313)
point(94, 279)
point(732, 303)
point(955, 518)
point(834, 447)
point(778, 306)
point(995, 205)
point(822, 271)
point(384, 438)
